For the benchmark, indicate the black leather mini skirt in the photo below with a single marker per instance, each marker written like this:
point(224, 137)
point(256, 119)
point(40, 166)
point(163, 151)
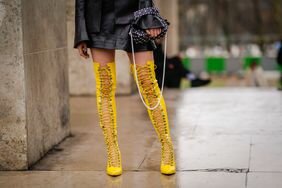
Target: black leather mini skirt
point(113, 35)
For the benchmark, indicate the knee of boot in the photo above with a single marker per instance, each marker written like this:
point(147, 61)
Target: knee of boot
point(105, 76)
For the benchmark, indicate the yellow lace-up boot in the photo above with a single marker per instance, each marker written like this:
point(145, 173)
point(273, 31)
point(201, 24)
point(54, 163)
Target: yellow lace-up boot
point(151, 92)
point(105, 92)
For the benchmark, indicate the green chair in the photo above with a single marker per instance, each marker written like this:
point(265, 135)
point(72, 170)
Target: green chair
point(186, 62)
point(248, 61)
point(215, 64)
point(279, 68)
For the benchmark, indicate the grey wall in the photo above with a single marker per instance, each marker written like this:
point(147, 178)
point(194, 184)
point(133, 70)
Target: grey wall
point(81, 76)
point(34, 108)
point(13, 140)
point(169, 10)
point(46, 72)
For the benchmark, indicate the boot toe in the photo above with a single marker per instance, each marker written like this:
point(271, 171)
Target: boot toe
point(167, 169)
point(114, 171)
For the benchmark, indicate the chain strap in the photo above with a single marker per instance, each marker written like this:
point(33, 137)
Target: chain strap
point(136, 77)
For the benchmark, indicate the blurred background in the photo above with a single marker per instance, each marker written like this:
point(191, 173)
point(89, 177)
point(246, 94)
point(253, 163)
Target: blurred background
point(227, 37)
point(229, 43)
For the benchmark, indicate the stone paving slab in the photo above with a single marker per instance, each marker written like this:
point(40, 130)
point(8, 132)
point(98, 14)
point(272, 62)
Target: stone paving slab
point(86, 150)
point(130, 179)
point(217, 152)
point(231, 111)
point(225, 138)
point(266, 154)
point(264, 180)
point(211, 180)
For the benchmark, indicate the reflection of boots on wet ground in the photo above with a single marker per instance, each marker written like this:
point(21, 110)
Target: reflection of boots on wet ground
point(114, 182)
point(168, 181)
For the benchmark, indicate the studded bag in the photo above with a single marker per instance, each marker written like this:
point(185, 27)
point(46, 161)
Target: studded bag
point(139, 35)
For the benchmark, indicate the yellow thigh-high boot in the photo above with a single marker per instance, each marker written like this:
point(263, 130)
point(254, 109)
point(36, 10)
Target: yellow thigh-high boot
point(151, 92)
point(105, 92)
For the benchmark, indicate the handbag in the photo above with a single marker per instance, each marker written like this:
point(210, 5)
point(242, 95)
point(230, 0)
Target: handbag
point(140, 36)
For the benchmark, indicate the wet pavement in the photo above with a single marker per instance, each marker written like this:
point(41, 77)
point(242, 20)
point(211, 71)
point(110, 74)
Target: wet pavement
point(223, 138)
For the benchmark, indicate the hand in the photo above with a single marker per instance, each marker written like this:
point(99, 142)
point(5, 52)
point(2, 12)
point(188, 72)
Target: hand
point(153, 32)
point(82, 49)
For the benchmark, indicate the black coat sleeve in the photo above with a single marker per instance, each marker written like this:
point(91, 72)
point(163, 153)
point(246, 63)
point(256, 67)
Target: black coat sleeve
point(80, 25)
point(148, 21)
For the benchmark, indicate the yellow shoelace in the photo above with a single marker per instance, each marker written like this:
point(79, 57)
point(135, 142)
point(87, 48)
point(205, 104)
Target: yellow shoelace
point(106, 115)
point(151, 92)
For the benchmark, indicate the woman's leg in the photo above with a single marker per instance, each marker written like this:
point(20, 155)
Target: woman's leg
point(151, 93)
point(103, 56)
point(105, 75)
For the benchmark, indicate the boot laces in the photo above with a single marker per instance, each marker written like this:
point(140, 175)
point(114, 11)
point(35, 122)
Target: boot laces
point(151, 92)
point(106, 114)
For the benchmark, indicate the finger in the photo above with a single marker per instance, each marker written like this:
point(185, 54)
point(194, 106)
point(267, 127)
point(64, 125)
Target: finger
point(158, 31)
point(81, 52)
point(151, 32)
point(84, 48)
point(85, 52)
point(148, 31)
point(155, 32)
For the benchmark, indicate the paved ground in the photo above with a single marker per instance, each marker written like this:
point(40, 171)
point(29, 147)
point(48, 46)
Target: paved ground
point(224, 138)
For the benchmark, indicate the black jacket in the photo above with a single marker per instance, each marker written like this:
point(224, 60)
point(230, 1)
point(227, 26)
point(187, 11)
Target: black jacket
point(88, 16)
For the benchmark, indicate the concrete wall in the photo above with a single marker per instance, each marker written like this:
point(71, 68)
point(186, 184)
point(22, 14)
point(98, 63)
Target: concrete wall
point(34, 108)
point(81, 75)
point(46, 71)
point(169, 10)
point(13, 128)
